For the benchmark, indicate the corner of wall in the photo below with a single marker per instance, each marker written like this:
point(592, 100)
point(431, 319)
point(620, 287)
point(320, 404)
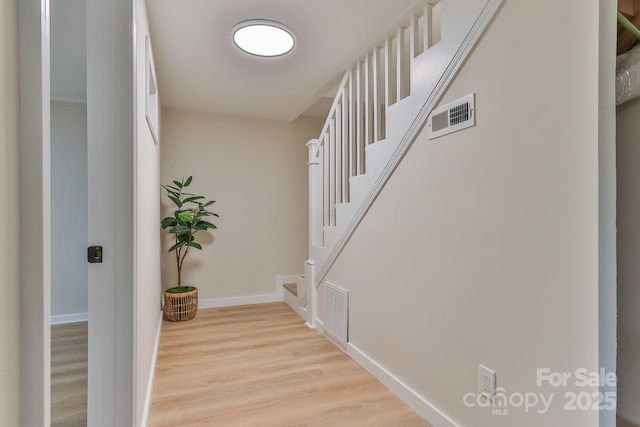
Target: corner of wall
point(607, 264)
point(10, 360)
point(148, 282)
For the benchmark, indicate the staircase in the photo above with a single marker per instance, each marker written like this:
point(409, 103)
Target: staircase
point(381, 105)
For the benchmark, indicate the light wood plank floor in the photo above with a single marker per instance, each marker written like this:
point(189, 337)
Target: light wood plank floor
point(260, 366)
point(69, 375)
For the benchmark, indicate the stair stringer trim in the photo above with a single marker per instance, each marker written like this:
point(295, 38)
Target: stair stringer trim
point(478, 28)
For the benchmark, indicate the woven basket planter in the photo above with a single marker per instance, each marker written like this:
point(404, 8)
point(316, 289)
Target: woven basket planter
point(180, 307)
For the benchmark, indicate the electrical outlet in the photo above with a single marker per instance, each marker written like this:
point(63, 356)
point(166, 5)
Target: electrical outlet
point(486, 382)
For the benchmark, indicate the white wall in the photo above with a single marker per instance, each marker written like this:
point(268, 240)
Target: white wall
point(9, 216)
point(483, 246)
point(256, 171)
point(69, 213)
point(628, 130)
point(69, 49)
point(147, 232)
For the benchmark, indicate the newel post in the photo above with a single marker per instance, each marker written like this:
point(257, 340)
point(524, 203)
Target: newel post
point(315, 228)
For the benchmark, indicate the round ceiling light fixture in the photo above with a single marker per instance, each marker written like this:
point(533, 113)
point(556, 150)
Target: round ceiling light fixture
point(261, 37)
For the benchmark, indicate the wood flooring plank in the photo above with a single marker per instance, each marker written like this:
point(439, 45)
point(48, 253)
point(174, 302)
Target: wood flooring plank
point(69, 375)
point(260, 366)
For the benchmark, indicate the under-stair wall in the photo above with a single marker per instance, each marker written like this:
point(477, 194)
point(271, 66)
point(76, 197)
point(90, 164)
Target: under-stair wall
point(482, 247)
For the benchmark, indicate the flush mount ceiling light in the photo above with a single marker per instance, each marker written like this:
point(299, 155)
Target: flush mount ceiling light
point(263, 38)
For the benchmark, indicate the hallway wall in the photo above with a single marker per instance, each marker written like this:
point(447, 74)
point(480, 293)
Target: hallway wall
point(69, 212)
point(147, 232)
point(256, 170)
point(9, 216)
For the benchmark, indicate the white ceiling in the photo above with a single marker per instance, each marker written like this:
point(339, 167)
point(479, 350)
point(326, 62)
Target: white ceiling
point(199, 68)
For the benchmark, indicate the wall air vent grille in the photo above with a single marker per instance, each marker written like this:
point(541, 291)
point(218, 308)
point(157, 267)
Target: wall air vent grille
point(452, 117)
point(336, 312)
point(440, 121)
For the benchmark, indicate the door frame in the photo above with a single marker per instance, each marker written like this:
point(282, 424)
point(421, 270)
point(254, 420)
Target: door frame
point(110, 121)
point(35, 217)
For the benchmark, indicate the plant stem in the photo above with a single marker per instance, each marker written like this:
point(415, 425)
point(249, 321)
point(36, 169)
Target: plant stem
point(178, 265)
point(182, 262)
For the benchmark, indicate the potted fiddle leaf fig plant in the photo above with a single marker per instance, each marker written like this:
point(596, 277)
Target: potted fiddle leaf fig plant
point(189, 219)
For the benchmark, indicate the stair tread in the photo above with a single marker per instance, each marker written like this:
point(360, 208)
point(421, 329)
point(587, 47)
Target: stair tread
point(291, 287)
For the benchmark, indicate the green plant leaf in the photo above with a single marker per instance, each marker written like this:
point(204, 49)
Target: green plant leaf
point(188, 216)
point(168, 222)
point(178, 245)
point(203, 225)
point(175, 200)
point(185, 216)
point(171, 193)
point(192, 198)
point(179, 229)
point(203, 228)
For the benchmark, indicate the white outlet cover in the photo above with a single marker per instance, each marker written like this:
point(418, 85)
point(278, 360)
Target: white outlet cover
point(486, 382)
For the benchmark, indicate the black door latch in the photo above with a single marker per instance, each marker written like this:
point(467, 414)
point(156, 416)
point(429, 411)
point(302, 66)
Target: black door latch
point(94, 254)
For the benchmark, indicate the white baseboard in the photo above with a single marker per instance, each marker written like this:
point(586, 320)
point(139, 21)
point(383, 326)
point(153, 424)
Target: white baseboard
point(234, 301)
point(61, 319)
point(152, 374)
point(426, 410)
point(252, 299)
point(319, 325)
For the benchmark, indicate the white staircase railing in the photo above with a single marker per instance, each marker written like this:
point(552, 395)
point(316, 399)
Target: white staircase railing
point(357, 117)
point(381, 105)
